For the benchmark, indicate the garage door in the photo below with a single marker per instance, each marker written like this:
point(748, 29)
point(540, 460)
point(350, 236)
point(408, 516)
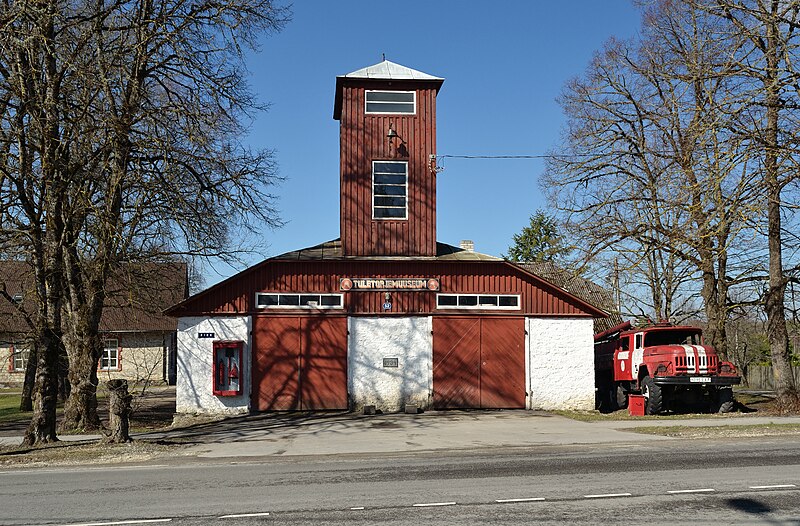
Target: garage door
point(478, 363)
point(299, 363)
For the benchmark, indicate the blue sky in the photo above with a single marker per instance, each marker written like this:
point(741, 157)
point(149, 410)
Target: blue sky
point(504, 65)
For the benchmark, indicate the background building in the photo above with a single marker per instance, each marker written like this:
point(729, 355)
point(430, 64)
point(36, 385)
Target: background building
point(139, 340)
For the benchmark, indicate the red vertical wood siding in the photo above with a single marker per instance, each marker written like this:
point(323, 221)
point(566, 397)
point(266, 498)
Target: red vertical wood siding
point(456, 363)
point(299, 363)
point(363, 140)
point(478, 362)
point(503, 363)
point(323, 363)
point(276, 364)
point(237, 295)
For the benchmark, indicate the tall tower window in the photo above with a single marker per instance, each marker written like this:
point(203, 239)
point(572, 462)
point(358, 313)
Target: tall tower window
point(389, 190)
point(391, 102)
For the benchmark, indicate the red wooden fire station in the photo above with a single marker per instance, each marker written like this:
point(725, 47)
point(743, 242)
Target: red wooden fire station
point(387, 264)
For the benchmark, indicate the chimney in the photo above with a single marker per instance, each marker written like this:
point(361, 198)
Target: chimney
point(468, 245)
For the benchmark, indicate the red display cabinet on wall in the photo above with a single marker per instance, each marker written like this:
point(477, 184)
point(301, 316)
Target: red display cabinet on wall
point(228, 368)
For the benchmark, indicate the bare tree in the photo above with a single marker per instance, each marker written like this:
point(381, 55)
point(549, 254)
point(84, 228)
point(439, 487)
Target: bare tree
point(174, 179)
point(768, 78)
point(33, 184)
point(124, 149)
point(648, 161)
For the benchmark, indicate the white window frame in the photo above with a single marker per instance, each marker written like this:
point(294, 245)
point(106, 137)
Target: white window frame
point(405, 216)
point(21, 355)
point(478, 306)
point(367, 101)
point(306, 306)
point(110, 354)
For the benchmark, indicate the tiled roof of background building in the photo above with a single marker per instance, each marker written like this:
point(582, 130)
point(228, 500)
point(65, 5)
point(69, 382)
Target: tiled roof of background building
point(135, 297)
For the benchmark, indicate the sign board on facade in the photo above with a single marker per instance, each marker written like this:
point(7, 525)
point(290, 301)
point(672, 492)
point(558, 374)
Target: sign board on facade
point(205, 335)
point(355, 284)
point(391, 362)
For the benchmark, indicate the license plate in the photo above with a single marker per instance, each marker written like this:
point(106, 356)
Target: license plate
point(700, 380)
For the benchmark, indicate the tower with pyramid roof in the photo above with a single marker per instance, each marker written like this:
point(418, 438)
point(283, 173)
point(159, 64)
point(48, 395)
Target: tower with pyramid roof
point(387, 115)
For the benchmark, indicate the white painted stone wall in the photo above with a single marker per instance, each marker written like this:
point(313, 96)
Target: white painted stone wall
point(388, 388)
point(561, 363)
point(194, 388)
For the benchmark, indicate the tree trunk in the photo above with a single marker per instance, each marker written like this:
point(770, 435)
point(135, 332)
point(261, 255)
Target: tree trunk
point(774, 302)
point(119, 411)
point(80, 410)
point(26, 401)
point(47, 242)
point(42, 428)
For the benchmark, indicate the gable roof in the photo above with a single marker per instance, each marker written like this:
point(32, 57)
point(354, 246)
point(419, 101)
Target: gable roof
point(332, 250)
point(135, 296)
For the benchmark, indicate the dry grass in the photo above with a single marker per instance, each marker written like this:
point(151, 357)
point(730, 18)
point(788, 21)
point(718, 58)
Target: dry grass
point(756, 430)
point(81, 453)
point(746, 402)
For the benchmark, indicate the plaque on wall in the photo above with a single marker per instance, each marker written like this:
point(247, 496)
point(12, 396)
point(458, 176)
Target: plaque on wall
point(357, 284)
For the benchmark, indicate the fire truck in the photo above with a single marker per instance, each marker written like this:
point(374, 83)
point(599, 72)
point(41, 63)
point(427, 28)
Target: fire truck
point(667, 364)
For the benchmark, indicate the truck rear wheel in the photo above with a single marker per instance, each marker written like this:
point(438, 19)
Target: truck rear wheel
point(723, 400)
point(653, 396)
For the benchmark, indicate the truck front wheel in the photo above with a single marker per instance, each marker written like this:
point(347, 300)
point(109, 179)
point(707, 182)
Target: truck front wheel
point(722, 401)
point(653, 396)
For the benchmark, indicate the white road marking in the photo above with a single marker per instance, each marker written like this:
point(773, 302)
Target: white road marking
point(241, 515)
point(430, 504)
point(531, 499)
point(357, 508)
point(114, 523)
point(607, 496)
point(703, 490)
point(774, 486)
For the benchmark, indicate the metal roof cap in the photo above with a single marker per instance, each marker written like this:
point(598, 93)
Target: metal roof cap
point(388, 70)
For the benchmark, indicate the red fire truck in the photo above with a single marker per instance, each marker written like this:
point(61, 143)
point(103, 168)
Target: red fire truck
point(667, 364)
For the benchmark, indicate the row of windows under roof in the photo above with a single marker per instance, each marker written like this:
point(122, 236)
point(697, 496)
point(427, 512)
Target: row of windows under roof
point(266, 300)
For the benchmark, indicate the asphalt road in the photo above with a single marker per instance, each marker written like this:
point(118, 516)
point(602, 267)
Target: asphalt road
point(672, 482)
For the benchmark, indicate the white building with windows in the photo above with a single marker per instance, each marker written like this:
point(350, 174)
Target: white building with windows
point(139, 341)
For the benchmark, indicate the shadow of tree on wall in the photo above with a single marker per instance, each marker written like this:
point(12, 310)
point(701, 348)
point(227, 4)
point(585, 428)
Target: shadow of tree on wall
point(194, 366)
point(390, 388)
point(479, 363)
point(299, 363)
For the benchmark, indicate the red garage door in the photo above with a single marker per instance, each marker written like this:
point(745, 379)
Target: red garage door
point(299, 363)
point(478, 363)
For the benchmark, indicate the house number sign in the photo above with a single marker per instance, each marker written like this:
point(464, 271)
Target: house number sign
point(205, 335)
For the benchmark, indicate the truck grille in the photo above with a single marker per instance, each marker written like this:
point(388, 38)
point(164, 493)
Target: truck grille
point(693, 364)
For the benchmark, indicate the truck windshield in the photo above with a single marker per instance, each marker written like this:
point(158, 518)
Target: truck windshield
point(671, 337)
